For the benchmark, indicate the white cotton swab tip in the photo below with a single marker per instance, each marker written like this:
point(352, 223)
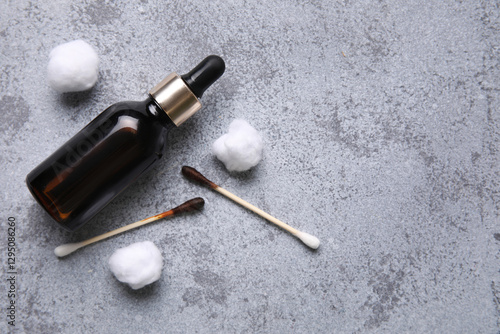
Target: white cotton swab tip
point(66, 249)
point(309, 240)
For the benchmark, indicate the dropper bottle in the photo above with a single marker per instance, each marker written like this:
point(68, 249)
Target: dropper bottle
point(117, 147)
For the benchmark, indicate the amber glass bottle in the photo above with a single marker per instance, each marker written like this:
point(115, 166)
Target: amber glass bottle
point(118, 146)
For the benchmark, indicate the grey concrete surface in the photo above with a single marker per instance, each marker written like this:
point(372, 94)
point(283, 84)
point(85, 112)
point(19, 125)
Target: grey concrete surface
point(381, 123)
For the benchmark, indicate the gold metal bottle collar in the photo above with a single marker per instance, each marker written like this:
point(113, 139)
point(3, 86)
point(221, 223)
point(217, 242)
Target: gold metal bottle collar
point(175, 98)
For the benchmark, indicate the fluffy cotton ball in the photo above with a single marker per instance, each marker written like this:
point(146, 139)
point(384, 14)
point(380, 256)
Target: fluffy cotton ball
point(241, 148)
point(137, 265)
point(73, 67)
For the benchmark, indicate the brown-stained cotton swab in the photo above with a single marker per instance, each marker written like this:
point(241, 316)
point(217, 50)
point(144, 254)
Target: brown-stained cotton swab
point(191, 205)
point(194, 175)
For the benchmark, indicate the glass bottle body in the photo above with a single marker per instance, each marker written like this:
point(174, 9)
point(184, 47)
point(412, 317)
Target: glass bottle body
point(100, 161)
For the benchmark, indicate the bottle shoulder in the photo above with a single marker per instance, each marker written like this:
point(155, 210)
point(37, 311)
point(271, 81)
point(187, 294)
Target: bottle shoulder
point(126, 107)
point(146, 111)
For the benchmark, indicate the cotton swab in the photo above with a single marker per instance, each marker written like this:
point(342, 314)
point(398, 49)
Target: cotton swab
point(191, 205)
point(192, 174)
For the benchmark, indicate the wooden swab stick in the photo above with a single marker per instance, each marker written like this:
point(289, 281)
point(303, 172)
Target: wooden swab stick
point(191, 205)
point(194, 175)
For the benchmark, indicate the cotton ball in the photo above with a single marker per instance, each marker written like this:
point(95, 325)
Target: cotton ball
point(73, 67)
point(137, 265)
point(241, 148)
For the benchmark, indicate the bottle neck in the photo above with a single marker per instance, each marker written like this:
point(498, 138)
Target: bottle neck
point(153, 109)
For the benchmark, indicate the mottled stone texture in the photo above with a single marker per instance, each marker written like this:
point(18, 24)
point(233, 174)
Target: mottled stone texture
point(382, 129)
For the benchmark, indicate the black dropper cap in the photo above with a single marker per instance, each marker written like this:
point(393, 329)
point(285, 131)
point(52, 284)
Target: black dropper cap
point(204, 74)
